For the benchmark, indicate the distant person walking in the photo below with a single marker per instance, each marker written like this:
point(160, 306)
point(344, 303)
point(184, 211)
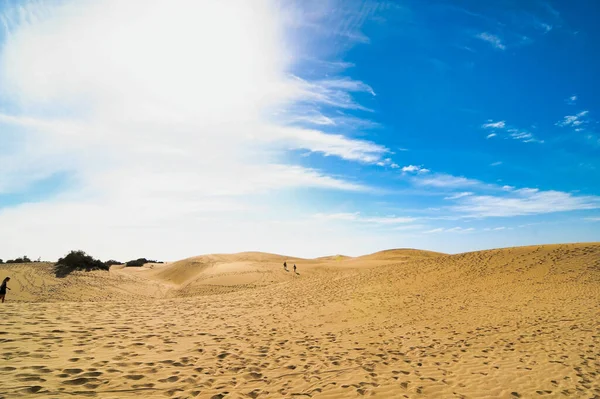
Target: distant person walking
point(285, 266)
point(3, 288)
point(294, 268)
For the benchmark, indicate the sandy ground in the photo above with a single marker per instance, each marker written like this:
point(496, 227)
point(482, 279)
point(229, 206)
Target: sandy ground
point(509, 323)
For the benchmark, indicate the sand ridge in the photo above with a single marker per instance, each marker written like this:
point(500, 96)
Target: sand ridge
point(508, 323)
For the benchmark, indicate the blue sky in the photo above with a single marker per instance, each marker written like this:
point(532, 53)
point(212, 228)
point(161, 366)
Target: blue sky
point(305, 128)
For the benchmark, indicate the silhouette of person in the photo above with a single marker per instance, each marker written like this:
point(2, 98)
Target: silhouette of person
point(285, 265)
point(3, 288)
point(294, 268)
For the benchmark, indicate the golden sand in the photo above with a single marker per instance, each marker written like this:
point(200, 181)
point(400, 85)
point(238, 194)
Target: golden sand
point(508, 323)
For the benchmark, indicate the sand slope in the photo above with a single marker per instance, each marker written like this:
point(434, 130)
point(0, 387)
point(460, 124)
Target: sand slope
point(507, 323)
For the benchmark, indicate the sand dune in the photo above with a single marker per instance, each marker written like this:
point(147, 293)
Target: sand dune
point(507, 323)
point(400, 254)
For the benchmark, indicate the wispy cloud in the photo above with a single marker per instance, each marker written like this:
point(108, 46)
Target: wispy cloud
point(414, 169)
point(494, 125)
point(491, 125)
point(443, 180)
point(335, 65)
point(457, 229)
point(332, 92)
point(500, 127)
point(332, 145)
point(521, 202)
point(524, 136)
point(458, 195)
point(337, 20)
point(571, 100)
point(357, 217)
point(503, 201)
point(496, 163)
point(576, 121)
point(494, 40)
point(545, 27)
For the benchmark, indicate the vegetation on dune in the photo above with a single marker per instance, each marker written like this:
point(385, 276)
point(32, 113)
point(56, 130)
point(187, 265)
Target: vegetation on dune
point(140, 262)
point(77, 260)
point(23, 259)
point(112, 262)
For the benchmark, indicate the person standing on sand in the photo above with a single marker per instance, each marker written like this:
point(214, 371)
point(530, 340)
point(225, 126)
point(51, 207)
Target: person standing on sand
point(3, 288)
point(294, 268)
point(284, 265)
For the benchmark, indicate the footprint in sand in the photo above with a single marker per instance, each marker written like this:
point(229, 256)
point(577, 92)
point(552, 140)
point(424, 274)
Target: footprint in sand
point(77, 381)
point(134, 377)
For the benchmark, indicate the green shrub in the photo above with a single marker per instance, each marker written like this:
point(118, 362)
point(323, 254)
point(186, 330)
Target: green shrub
point(78, 260)
point(138, 262)
point(24, 259)
point(112, 262)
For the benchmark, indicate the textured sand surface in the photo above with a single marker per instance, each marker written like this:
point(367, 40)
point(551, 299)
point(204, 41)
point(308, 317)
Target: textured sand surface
point(508, 323)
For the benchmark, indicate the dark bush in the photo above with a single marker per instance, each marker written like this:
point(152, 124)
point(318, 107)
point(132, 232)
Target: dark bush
point(77, 260)
point(137, 262)
point(24, 259)
point(140, 262)
point(112, 262)
point(1, 261)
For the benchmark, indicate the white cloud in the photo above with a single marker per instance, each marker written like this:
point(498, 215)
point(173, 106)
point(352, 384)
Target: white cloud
point(357, 217)
point(408, 227)
point(593, 219)
point(387, 162)
point(307, 113)
point(414, 169)
point(513, 133)
point(346, 85)
point(330, 144)
point(546, 27)
point(523, 202)
point(525, 137)
point(520, 135)
point(506, 200)
point(450, 230)
point(191, 113)
point(443, 180)
point(332, 92)
point(574, 120)
point(458, 195)
point(315, 118)
point(494, 40)
point(494, 125)
point(339, 21)
point(177, 113)
point(498, 163)
point(571, 100)
point(460, 229)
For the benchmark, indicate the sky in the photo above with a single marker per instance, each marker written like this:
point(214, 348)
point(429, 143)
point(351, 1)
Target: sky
point(168, 129)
